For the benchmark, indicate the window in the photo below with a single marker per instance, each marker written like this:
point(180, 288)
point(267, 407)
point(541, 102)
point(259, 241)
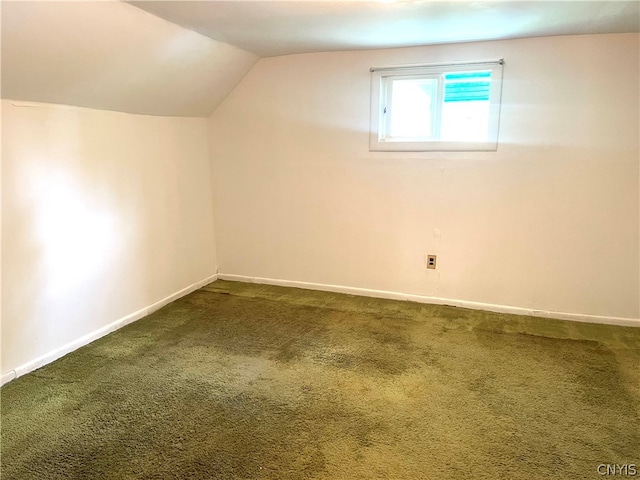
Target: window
point(436, 107)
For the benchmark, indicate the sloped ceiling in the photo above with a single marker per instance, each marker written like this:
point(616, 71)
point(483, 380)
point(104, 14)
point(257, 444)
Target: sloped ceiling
point(183, 58)
point(114, 56)
point(270, 28)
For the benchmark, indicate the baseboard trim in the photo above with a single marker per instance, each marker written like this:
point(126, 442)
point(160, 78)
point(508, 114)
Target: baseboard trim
point(575, 317)
point(101, 332)
point(143, 312)
point(7, 377)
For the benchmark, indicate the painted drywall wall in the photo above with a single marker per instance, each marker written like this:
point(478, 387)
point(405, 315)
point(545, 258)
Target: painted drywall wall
point(550, 221)
point(103, 214)
point(114, 56)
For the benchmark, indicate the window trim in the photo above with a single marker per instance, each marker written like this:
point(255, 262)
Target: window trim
point(380, 86)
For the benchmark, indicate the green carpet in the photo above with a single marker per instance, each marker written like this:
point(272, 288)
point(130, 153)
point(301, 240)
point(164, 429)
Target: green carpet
point(241, 381)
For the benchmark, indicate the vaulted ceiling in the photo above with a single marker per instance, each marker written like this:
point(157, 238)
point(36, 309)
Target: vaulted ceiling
point(271, 28)
point(114, 56)
point(184, 57)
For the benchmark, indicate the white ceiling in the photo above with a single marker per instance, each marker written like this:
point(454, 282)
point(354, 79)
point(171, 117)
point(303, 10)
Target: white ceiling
point(270, 28)
point(113, 56)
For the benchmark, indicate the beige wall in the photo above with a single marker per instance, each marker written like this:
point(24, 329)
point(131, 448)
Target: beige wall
point(106, 213)
point(549, 221)
point(103, 214)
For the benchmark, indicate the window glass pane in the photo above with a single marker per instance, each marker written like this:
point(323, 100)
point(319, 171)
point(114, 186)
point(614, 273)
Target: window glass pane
point(412, 108)
point(465, 113)
point(449, 107)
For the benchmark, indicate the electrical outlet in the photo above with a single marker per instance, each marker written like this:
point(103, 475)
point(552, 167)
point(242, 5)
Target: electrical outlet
point(431, 262)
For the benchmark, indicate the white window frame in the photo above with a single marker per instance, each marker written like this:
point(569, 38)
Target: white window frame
point(381, 81)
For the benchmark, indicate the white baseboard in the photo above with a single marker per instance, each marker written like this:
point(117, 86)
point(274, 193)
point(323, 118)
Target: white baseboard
point(86, 339)
point(576, 317)
point(7, 377)
point(101, 332)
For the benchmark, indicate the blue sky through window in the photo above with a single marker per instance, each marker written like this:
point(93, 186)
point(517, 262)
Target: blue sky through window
point(467, 86)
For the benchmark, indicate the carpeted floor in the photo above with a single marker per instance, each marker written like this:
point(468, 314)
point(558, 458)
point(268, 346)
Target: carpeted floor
point(240, 381)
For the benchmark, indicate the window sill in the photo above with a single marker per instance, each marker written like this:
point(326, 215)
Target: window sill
point(435, 146)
